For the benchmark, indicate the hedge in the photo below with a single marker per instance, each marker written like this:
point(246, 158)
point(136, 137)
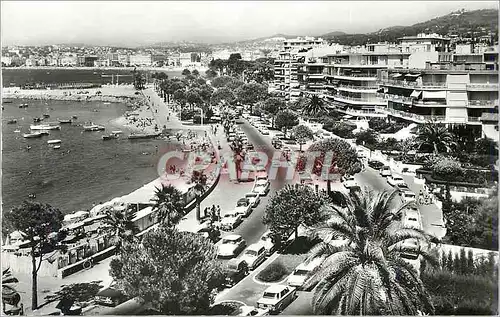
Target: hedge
point(274, 272)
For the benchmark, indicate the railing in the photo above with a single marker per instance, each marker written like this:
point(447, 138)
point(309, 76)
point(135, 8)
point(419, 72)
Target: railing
point(357, 75)
point(481, 103)
point(474, 119)
point(408, 115)
point(483, 85)
point(356, 112)
point(357, 99)
point(397, 98)
point(357, 87)
point(413, 84)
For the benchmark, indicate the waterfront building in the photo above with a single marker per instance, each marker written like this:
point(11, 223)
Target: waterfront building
point(68, 60)
point(6, 60)
point(287, 63)
point(462, 89)
point(141, 60)
point(124, 59)
point(89, 60)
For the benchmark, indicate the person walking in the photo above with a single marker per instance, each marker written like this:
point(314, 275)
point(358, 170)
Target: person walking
point(218, 213)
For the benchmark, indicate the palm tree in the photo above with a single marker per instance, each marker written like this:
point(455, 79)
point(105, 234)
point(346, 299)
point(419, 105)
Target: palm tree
point(122, 222)
point(10, 296)
point(200, 181)
point(169, 205)
point(436, 136)
point(314, 106)
point(365, 273)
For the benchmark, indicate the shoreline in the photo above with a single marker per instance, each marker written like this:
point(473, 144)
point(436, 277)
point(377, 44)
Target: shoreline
point(131, 68)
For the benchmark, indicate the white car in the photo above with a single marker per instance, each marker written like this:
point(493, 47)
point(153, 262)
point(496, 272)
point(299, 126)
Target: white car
point(395, 179)
point(261, 176)
point(268, 243)
point(303, 272)
point(385, 171)
point(231, 246)
point(277, 297)
point(412, 219)
point(254, 199)
point(243, 207)
point(254, 255)
point(264, 131)
point(407, 196)
point(261, 187)
point(231, 220)
point(348, 181)
point(252, 311)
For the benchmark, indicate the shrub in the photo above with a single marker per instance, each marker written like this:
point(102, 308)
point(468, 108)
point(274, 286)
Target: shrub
point(341, 129)
point(368, 138)
point(274, 272)
point(224, 309)
point(446, 168)
point(382, 126)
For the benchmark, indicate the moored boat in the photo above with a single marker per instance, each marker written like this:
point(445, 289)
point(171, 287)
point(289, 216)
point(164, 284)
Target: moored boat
point(37, 119)
point(44, 132)
point(12, 121)
point(111, 136)
point(117, 132)
point(54, 141)
point(74, 117)
point(17, 131)
point(23, 105)
point(32, 135)
point(46, 115)
point(55, 147)
point(45, 127)
point(6, 101)
point(93, 127)
point(143, 136)
point(64, 121)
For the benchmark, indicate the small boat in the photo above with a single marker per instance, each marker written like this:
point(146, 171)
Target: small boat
point(44, 132)
point(74, 117)
point(46, 115)
point(45, 127)
point(23, 105)
point(64, 121)
point(54, 141)
point(56, 147)
point(31, 196)
point(143, 136)
point(112, 136)
point(93, 127)
point(117, 132)
point(107, 103)
point(37, 119)
point(12, 121)
point(6, 101)
point(32, 135)
point(17, 131)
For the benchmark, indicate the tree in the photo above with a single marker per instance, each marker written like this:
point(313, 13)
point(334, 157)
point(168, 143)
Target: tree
point(344, 157)
point(434, 137)
point(222, 95)
point(363, 272)
point(368, 138)
point(486, 146)
point(169, 205)
point(249, 94)
point(195, 73)
point(286, 120)
point(302, 133)
point(186, 72)
point(210, 73)
point(291, 207)
point(38, 222)
point(175, 272)
point(314, 106)
point(122, 224)
point(75, 292)
point(200, 181)
point(193, 97)
point(139, 80)
point(272, 106)
point(180, 96)
point(222, 81)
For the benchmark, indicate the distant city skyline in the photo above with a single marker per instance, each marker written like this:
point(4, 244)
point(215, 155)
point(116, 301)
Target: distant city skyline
point(133, 24)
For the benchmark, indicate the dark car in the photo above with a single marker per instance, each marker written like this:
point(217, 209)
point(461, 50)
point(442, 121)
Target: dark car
point(236, 270)
point(211, 233)
point(375, 164)
point(401, 187)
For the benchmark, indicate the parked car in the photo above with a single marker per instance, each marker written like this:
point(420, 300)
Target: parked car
point(252, 311)
point(348, 181)
point(395, 179)
point(261, 187)
point(402, 187)
point(254, 199)
point(231, 220)
point(412, 219)
point(268, 242)
point(231, 246)
point(261, 175)
point(385, 171)
point(210, 232)
point(243, 207)
point(303, 272)
point(264, 131)
point(361, 153)
point(375, 164)
point(277, 144)
point(254, 255)
point(279, 136)
point(408, 195)
point(236, 270)
point(276, 298)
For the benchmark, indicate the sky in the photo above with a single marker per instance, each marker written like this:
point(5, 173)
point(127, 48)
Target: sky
point(131, 23)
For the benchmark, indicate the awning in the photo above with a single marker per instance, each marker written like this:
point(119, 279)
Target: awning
point(396, 75)
point(416, 94)
point(413, 75)
point(434, 95)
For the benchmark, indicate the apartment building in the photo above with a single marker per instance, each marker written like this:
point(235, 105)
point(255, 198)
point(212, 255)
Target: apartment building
point(124, 59)
point(287, 63)
point(141, 60)
point(461, 91)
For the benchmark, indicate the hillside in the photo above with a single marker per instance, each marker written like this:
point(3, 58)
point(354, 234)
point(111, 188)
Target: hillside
point(463, 23)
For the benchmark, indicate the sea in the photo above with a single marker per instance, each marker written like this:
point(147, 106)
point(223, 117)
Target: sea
point(17, 77)
point(85, 170)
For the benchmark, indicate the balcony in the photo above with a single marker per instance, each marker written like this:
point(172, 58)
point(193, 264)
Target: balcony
point(482, 104)
point(411, 116)
point(365, 113)
point(316, 76)
point(396, 98)
point(357, 88)
point(381, 65)
point(412, 84)
point(359, 101)
point(482, 87)
point(360, 77)
point(474, 120)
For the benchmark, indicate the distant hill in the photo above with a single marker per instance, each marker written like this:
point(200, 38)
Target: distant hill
point(332, 34)
point(463, 23)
